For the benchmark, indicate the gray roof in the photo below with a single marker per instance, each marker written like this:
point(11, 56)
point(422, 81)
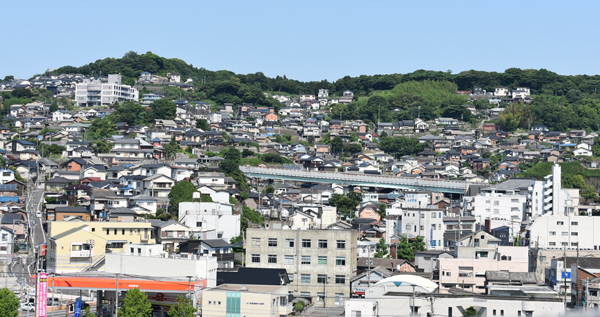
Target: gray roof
point(216, 243)
point(505, 276)
point(512, 184)
point(71, 209)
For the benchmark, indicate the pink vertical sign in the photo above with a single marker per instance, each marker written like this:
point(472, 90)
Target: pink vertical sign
point(43, 294)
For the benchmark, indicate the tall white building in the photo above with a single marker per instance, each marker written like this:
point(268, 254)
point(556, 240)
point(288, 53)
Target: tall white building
point(548, 196)
point(94, 92)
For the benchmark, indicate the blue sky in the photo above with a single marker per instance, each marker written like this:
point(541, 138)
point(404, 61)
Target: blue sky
point(306, 40)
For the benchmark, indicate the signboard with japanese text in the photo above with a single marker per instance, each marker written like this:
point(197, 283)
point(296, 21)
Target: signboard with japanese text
point(43, 294)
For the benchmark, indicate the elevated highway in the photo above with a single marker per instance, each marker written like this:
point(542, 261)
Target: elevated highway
point(350, 179)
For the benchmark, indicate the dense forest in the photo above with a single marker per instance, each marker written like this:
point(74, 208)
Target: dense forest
point(561, 102)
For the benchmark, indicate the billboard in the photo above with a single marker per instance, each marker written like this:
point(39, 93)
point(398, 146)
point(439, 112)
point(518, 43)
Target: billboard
point(43, 294)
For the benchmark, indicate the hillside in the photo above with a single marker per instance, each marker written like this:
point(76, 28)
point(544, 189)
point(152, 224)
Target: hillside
point(560, 102)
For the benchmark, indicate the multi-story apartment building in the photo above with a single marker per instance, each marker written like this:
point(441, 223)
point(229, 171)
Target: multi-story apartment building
point(548, 196)
point(210, 220)
point(81, 246)
point(497, 206)
point(320, 263)
point(427, 222)
point(94, 92)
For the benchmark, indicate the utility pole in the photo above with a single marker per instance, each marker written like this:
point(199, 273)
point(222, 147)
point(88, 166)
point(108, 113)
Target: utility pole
point(565, 274)
point(117, 296)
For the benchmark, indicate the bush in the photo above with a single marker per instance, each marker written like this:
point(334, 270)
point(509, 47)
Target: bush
point(299, 306)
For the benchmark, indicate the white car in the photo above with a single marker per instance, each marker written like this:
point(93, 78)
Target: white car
point(28, 306)
point(38, 214)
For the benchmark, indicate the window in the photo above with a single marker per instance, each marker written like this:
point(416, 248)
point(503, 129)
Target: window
point(433, 215)
point(422, 215)
point(322, 278)
point(494, 312)
point(107, 231)
point(573, 244)
point(573, 233)
point(272, 242)
point(564, 244)
point(496, 211)
point(421, 228)
point(304, 294)
point(340, 260)
point(306, 259)
point(322, 244)
point(322, 260)
point(289, 243)
point(288, 259)
point(552, 243)
point(574, 223)
point(304, 278)
point(255, 258)
point(501, 312)
point(565, 234)
point(291, 277)
point(496, 203)
point(543, 258)
point(272, 258)
point(306, 243)
point(256, 242)
point(233, 303)
point(340, 279)
point(559, 223)
point(514, 200)
point(552, 233)
point(341, 244)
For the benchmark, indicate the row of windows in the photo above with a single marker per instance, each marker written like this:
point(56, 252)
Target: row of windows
point(564, 233)
point(565, 244)
point(321, 278)
point(304, 259)
point(306, 243)
point(573, 223)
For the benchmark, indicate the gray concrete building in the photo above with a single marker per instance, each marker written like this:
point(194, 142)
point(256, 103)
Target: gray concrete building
point(320, 263)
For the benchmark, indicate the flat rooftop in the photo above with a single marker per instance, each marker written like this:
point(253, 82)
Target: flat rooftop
point(250, 288)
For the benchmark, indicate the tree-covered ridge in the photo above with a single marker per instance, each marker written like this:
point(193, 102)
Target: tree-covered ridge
point(560, 102)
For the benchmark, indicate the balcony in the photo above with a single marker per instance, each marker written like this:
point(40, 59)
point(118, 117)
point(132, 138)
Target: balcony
point(224, 257)
point(548, 192)
point(548, 184)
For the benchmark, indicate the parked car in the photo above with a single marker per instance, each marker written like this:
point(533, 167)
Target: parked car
point(28, 306)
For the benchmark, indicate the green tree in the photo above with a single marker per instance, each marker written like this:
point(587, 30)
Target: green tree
point(337, 145)
point(102, 129)
point(381, 249)
point(247, 152)
point(136, 304)
point(470, 312)
point(182, 192)
point(202, 124)
point(101, 146)
point(183, 308)
point(172, 148)
point(163, 109)
point(299, 306)
point(269, 190)
point(516, 115)
point(381, 210)
point(9, 303)
point(407, 250)
point(53, 149)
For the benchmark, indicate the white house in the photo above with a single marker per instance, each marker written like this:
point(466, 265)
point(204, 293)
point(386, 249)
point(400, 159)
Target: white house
point(61, 115)
point(6, 175)
point(6, 239)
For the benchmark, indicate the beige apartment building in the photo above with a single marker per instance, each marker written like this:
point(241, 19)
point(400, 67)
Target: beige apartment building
point(246, 300)
point(81, 246)
point(319, 263)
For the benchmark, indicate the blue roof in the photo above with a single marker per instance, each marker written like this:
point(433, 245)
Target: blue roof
point(156, 139)
point(6, 198)
point(569, 144)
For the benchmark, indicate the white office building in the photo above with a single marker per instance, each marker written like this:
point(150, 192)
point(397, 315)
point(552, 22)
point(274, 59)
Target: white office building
point(427, 222)
point(94, 92)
